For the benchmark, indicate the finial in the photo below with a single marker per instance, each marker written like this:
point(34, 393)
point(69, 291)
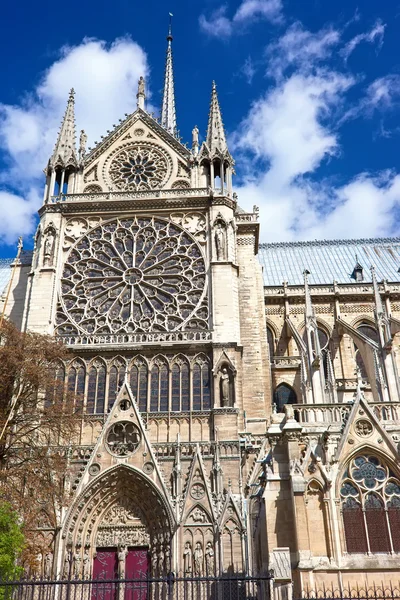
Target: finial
point(72, 94)
point(169, 36)
point(141, 95)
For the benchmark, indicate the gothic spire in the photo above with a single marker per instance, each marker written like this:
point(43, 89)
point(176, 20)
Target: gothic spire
point(216, 140)
point(64, 153)
point(168, 115)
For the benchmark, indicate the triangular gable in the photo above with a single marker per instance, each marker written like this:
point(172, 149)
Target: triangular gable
point(224, 359)
point(197, 490)
point(230, 511)
point(363, 428)
point(124, 410)
point(121, 130)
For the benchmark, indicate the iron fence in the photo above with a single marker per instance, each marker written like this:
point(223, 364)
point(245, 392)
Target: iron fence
point(383, 591)
point(172, 587)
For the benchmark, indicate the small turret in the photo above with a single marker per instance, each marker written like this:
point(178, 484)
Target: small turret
point(63, 163)
point(214, 152)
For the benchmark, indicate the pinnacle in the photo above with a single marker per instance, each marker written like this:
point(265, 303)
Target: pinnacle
point(65, 149)
point(216, 140)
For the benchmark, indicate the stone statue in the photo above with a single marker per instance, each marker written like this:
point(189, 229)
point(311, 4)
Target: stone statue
point(67, 565)
point(49, 248)
point(195, 136)
point(209, 559)
point(220, 242)
point(161, 557)
point(77, 564)
point(82, 143)
point(48, 565)
point(187, 558)
point(225, 391)
point(122, 552)
point(141, 84)
point(154, 560)
point(198, 559)
point(86, 564)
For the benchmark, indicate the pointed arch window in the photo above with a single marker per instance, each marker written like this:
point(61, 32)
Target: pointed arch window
point(370, 332)
point(76, 382)
point(159, 387)
point(284, 394)
point(116, 379)
point(180, 391)
point(201, 386)
point(271, 343)
point(139, 383)
point(55, 391)
point(96, 388)
point(370, 495)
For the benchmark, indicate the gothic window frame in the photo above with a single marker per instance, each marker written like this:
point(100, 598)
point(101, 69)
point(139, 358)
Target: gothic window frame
point(292, 391)
point(201, 362)
point(271, 341)
point(119, 365)
point(140, 392)
point(180, 383)
point(370, 504)
point(75, 368)
point(97, 364)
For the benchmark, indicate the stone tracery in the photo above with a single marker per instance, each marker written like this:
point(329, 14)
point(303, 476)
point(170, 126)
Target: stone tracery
point(136, 274)
point(139, 167)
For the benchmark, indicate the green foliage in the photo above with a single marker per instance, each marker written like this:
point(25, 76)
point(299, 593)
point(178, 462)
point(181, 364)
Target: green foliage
point(11, 545)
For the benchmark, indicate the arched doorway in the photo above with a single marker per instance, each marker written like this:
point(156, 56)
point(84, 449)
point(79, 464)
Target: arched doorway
point(120, 526)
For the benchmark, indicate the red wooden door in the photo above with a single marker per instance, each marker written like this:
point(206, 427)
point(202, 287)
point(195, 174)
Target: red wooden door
point(105, 567)
point(136, 569)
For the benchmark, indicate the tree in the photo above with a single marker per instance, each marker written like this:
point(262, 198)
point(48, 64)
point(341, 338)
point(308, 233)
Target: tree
point(39, 421)
point(11, 543)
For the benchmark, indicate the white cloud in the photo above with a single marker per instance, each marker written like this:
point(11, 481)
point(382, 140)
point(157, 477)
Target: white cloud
point(105, 79)
point(17, 215)
point(375, 35)
point(284, 139)
point(300, 48)
point(249, 11)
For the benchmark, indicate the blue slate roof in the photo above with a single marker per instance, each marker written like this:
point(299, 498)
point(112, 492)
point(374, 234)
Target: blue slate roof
point(5, 273)
point(330, 260)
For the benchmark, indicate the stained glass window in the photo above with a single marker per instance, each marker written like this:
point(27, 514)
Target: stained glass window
point(370, 506)
point(284, 394)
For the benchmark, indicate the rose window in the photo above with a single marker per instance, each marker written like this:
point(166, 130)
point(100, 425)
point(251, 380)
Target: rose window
point(139, 167)
point(133, 275)
point(123, 438)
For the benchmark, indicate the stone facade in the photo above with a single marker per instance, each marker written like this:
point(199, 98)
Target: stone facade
point(230, 424)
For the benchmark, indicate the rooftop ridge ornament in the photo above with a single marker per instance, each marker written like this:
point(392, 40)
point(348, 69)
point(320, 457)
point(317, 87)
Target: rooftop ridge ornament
point(168, 114)
point(64, 152)
point(215, 140)
point(141, 94)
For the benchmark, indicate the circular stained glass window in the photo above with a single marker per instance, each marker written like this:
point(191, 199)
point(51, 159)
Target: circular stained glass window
point(134, 274)
point(139, 167)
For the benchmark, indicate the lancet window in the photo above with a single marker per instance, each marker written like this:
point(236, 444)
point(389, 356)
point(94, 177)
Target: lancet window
point(370, 495)
point(284, 394)
point(271, 343)
point(164, 384)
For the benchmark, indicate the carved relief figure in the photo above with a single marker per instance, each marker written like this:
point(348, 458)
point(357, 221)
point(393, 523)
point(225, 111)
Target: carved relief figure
point(86, 564)
point(48, 564)
point(77, 564)
point(220, 241)
point(82, 143)
point(198, 559)
point(226, 395)
point(49, 248)
point(67, 565)
point(122, 552)
point(209, 558)
point(187, 558)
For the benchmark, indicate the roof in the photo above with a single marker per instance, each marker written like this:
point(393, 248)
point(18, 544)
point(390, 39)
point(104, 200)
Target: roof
point(5, 273)
point(330, 260)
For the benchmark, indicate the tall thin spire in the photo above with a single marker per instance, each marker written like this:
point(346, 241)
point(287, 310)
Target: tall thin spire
point(64, 153)
point(216, 139)
point(168, 114)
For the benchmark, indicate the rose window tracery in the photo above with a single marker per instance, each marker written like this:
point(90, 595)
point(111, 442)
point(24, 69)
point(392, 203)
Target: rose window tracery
point(134, 274)
point(123, 438)
point(139, 167)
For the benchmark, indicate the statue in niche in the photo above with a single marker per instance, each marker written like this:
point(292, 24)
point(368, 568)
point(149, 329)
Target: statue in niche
point(122, 552)
point(82, 143)
point(77, 564)
point(209, 558)
point(220, 241)
point(161, 557)
point(225, 389)
point(86, 564)
point(198, 559)
point(48, 565)
point(187, 558)
point(49, 248)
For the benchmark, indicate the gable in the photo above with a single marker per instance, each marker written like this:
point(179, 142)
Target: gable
point(138, 155)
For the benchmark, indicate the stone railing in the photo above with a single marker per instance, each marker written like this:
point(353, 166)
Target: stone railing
point(358, 289)
point(136, 338)
point(246, 217)
point(285, 362)
point(106, 196)
point(338, 413)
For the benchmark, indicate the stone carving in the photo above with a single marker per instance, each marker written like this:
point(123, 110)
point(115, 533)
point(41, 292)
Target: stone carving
point(363, 428)
point(198, 515)
point(226, 388)
point(48, 249)
point(195, 137)
point(197, 491)
point(48, 565)
point(209, 553)
point(187, 558)
point(120, 514)
point(67, 564)
point(166, 274)
point(139, 166)
point(122, 552)
point(86, 564)
point(82, 144)
point(198, 559)
point(141, 86)
point(123, 438)
point(220, 241)
point(129, 536)
point(77, 564)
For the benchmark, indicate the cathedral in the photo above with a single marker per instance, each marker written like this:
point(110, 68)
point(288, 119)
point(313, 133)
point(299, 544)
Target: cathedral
point(241, 399)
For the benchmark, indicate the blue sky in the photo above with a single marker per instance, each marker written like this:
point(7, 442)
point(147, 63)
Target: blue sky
point(309, 89)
